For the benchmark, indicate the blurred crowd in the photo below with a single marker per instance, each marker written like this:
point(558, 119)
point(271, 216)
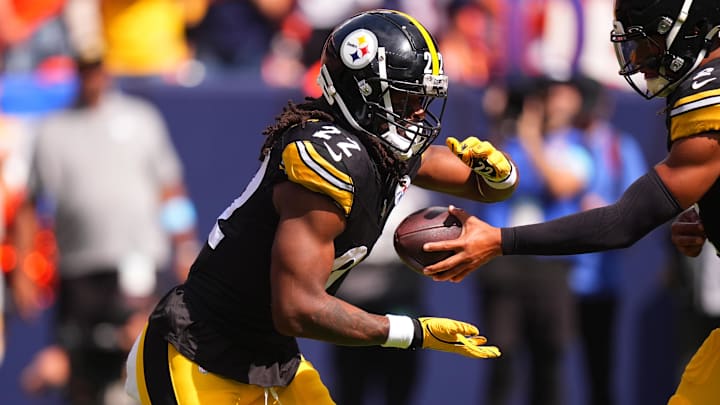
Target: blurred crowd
point(52, 52)
point(188, 41)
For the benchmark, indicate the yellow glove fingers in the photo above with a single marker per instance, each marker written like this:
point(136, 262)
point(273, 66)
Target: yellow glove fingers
point(444, 330)
point(473, 347)
point(449, 335)
point(460, 150)
point(477, 340)
point(464, 149)
point(454, 145)
point(482, 149)
point(482, 157)
point(458, 147)
point(484, 153)
point(496, 158)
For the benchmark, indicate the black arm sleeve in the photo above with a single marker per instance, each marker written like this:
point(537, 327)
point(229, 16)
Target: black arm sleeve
point(645, 205)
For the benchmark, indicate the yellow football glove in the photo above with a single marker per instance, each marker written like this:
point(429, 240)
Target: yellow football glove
point(482, 157)
point(449, 335)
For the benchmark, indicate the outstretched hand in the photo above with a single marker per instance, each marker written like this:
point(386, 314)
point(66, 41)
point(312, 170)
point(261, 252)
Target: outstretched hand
point(687, 233)
point(478, 243)
point(452, 336)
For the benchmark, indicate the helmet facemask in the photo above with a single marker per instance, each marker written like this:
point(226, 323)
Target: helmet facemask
point(404, 114)
point(642, 59)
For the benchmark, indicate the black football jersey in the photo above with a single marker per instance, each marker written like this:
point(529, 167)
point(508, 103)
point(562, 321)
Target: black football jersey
point(221, 317)
point(694, 108)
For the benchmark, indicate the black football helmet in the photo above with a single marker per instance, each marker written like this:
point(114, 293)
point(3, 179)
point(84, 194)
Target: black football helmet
point(663, 40)
point(378, 68)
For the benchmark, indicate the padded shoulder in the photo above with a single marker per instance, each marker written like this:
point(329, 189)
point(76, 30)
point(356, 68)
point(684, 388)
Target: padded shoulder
point(695, 104)
point(326, 159)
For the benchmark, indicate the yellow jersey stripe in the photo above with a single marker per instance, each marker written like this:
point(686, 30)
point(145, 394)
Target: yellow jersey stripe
point(702, 119)
point(305, 166)
point(428, 39)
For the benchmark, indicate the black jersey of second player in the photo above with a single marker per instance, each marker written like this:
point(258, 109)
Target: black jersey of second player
point(221, 317)
point(694, 108)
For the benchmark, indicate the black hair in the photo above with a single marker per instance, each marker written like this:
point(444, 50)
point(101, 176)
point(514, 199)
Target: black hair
point(318, 109)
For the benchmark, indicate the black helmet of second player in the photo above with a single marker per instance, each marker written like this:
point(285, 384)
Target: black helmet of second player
point(379, 67)
point(662, 41)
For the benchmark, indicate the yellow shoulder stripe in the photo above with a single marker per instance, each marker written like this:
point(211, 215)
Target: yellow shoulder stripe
point(305, 166)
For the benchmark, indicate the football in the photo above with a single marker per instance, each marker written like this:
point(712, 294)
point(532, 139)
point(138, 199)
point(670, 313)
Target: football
point(426, 225)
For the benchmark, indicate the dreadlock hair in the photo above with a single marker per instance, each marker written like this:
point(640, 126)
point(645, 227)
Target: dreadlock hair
point(318, 109)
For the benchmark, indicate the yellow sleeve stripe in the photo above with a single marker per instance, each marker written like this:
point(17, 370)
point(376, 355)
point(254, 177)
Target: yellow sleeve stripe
point(695, 114)
point(428, 39)
point(303, 165)
point(695, 97)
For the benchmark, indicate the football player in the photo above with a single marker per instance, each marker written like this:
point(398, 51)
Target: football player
point(332, 170)
point(666, 48)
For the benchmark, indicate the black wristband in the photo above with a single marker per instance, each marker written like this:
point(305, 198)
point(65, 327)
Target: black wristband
point(417, 335)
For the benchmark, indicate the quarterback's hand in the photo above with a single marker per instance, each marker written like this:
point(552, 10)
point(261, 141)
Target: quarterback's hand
point(449, 335)
point(479, 242)
point(482, 157)
point(687, 233)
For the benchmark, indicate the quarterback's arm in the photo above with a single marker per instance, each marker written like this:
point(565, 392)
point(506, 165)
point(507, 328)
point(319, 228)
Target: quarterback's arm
point(442, 171)
point(643, 207)
point(651, 201)
point(676, 183)
point(691, 167)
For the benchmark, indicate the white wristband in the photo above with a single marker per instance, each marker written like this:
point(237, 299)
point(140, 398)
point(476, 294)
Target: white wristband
point(507, 183)
point(400, 332)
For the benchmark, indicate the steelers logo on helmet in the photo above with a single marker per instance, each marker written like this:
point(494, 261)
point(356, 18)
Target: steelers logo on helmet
point(359, 48)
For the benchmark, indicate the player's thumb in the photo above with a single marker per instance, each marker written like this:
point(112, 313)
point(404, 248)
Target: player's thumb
point(459, 213)
point(453, 144)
